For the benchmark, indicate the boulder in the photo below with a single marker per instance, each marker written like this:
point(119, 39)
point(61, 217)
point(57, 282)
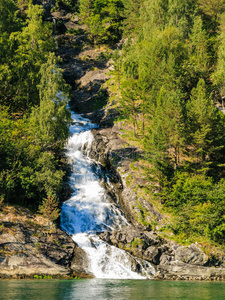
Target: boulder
point(191, 255)
point(153, 254)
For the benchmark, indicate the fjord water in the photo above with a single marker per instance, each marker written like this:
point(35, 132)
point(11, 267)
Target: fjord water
point(91, 210)
point(109, 289)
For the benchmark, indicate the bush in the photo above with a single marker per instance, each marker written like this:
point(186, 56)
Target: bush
point(189, 189)
point(199, 207)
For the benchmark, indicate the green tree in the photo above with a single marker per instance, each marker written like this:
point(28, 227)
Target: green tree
point(103, 19)
point(204, 125)
point(181, 14)
point(219, 74)
point(50, 121)
point(8, 17)
point(212, 7)
point(198, 205)
point(165, 139)
point(20, 73)
point(48, 177)
point(197, 64)
point(34, 42)
point(154, 14)
point(130, 102)
point(132, 17)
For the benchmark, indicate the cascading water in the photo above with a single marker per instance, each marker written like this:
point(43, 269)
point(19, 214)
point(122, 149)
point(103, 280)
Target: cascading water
point(91, 210)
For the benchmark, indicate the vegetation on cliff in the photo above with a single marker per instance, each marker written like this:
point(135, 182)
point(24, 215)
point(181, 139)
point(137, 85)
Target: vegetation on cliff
point(166, 82)
point(170, 73)
point(33, 109)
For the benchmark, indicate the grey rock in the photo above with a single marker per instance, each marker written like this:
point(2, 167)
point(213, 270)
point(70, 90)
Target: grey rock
point(29, 249)
point(80, 263)
point(153, 254)
point(166, 259)
point(191, 255)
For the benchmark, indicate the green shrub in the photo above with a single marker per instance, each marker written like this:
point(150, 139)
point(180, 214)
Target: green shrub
point(49, 208)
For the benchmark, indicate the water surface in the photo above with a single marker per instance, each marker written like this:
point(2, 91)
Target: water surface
point(102, 289)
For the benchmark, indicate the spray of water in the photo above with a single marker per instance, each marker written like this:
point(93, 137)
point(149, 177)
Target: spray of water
point(90, 210)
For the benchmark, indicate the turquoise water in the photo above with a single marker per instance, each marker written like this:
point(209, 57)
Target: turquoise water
point(99, 289)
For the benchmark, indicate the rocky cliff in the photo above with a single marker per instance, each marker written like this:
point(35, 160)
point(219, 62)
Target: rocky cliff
point(171, 260)
point(32, 246)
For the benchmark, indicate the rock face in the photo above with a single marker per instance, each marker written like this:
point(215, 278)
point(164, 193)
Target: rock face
point(116, 155)
point(30, 245)
point(171, 260)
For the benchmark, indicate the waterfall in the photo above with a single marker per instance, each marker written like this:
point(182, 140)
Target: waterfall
point(91, 210)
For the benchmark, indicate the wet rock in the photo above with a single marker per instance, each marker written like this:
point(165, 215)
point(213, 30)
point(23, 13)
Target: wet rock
point(182, 271)
point(136, 242)
point(121, 237)
point(80, 264)
point(105, 236)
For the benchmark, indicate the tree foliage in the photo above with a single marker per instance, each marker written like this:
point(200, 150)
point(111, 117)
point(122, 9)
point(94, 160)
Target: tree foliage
point(33, 109)
point(169, 73)
point(103, 19)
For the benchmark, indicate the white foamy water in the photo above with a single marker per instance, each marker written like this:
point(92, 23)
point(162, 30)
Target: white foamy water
point(91, 210)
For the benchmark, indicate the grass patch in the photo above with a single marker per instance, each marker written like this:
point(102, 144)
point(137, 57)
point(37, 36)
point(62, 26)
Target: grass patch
point(137, 242)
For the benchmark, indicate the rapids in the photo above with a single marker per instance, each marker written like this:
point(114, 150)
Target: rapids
point(91, 210)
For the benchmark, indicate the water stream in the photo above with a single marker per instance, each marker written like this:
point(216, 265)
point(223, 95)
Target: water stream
point(91, 210)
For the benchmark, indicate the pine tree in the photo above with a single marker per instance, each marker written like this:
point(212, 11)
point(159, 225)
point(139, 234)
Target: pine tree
point(198, 51)
point(154, 15)
point(181, 14)
point(212, 8)
point(52, 119)
point(165, 139)
point(132, 22)
point(103, 19)
point(49, 208)
point(130, 102)
point(219, 74)
point(204, 125)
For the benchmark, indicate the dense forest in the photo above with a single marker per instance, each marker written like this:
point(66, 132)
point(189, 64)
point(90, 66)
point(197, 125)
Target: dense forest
point(166, 82)
point(33, 110)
